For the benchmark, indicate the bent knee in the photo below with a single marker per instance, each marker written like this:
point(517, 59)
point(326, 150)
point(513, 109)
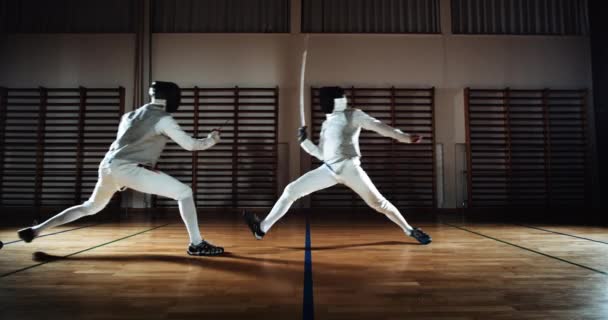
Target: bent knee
point(380, 204)
point(290, 193)
point(92, 207)
point(184, 192)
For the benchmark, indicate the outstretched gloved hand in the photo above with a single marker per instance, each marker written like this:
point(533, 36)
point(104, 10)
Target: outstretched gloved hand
point(415, 138)
point(215, 135)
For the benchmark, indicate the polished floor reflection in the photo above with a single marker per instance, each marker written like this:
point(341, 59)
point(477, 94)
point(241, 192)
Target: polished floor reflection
point(360, 267)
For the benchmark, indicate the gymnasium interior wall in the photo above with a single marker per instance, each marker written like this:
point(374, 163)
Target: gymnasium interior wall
point(444, 61)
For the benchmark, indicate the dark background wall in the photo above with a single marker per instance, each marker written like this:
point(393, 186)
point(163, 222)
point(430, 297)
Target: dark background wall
point(449, 62)
point(599, 52)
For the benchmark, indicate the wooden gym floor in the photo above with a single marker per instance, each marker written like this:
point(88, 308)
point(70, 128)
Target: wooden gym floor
point(358, 267)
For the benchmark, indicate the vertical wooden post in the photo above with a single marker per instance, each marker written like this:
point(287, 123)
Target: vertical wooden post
point(121, 97)
point(469, 150)
point(507, 123)
point(80, 144)
point(235, 150)
point(40, 148)
point(393, 111)
point(195, 154)
point(586, 159)
point(3, 115)
point(547, 149)
point(276, 143)
point(434, 166)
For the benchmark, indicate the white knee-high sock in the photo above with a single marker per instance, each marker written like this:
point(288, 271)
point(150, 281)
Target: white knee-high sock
point(310, 182)
point(188, 212)
point(68, 215)
point(389, 210)
point(278, 211)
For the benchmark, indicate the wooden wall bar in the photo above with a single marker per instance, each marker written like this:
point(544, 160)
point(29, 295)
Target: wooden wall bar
point(240, 171)
point(53, 141)
point(527, 148)
point(404, 173)
point(3, 116)
point(104, 108)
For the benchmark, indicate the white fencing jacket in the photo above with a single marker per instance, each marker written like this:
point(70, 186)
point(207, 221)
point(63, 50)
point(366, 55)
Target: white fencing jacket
point(339, 138)
point(143, 134)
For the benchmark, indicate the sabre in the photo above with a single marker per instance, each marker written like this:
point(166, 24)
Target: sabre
point(220, 128)
point(302, 76)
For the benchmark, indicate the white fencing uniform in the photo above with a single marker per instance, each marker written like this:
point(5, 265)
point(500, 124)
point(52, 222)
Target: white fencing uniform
point(141, 138)
point(339, 150)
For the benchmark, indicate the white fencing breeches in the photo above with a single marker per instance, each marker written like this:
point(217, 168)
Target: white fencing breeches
point(120, 174)
point(351, 175)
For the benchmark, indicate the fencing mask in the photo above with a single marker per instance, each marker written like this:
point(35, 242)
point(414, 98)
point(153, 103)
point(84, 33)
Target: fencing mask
point(167, 91)
point(328, 96)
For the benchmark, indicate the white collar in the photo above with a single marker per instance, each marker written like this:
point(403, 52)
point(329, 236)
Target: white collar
point(335, 113)
point(160, 102)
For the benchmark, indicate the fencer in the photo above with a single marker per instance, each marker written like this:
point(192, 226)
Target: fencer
point(130, 161)
point(339, 150)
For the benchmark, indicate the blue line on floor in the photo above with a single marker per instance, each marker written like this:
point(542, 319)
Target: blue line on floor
point(308, 306)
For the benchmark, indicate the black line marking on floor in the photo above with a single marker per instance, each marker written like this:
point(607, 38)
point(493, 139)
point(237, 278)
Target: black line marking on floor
point(54, 233)
point(527, 249)
point(81, 251)
point(560, 233)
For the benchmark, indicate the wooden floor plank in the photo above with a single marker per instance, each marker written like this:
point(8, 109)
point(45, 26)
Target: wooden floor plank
point(382, 274)
point(151, 277)
point(575, 250)
point(596, 234)
point(363, 267)
point(19, 255)
point(9, 235)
